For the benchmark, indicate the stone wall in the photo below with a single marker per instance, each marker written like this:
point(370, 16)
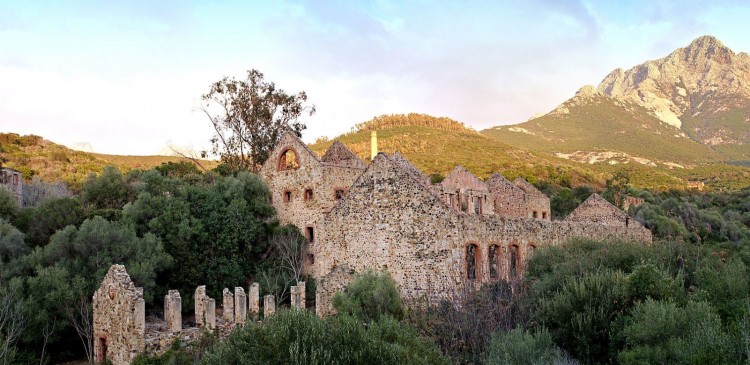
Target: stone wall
point(119, 318)
point(465, 192)
point(389, 221)
point(599, 211)
point(537, 204)
point(302, 195)
point(12, 180)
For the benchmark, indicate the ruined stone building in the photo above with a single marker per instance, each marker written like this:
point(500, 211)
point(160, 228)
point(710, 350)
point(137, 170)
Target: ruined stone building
point(12, 180)
point(386, 214)
point(432, 238)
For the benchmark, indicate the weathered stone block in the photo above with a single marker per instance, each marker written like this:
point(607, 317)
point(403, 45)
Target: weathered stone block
point(211, 313)
point(254, 300)
point(269, 305)
point(173, 311)
point(228, 305)
point(240, 305)
point(201, 301)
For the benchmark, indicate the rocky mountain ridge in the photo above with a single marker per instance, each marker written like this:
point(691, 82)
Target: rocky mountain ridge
point(693, 88)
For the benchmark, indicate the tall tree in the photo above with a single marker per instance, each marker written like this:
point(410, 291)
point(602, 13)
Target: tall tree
point(249, 117)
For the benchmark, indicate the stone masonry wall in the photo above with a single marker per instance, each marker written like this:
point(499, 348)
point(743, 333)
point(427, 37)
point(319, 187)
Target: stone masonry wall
point(599, 211)
point(119, 318)
point(390, 222)
point(303, 195)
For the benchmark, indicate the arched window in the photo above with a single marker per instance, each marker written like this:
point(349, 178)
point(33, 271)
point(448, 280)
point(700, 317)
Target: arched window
point(288, 160)
point(472, 261)
point(494, 260)
point(514, 260)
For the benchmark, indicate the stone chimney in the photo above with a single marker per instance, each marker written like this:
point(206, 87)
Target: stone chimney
point(373, 145)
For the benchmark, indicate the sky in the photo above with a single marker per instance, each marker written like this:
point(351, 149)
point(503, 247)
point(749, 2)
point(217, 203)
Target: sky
point(127, 76)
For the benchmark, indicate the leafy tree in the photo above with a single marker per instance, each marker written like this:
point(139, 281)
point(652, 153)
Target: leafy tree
point(12, 247)
point(249, 116)
point(617, 187)
point(215, 228)
point(369, 297)
point(563, 203)
point(8, 204)
point(51, 215)
point(178, 169)
point(13, 319)
point(106, 191)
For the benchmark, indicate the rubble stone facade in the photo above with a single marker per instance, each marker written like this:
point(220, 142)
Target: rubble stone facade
point(12, 180)
point(119, 313)
point(430, 237)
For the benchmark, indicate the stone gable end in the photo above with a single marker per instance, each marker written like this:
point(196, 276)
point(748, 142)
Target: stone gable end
point(119, 318)
point(598, 210)
point(339, 154)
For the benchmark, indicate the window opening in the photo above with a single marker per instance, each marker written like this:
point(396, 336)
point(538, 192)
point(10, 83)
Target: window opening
point(471, 262)
point(310, 234)
point(494, 262)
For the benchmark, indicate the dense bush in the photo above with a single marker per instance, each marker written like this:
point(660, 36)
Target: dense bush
point(369, 297)
point(520, 347)
point(299, 337)
point(664, 333)
point(8, 204)
point(607, 302)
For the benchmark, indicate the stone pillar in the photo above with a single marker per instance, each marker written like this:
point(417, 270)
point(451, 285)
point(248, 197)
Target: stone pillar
point(240, 305)
point(211, 313)
point(201, 300)
point(295, 297)
point(228, 306)
point(269, 305)
point(140, 313)
point(302, 288)
point(173, 311)
point(140, 317)
point(254, 300)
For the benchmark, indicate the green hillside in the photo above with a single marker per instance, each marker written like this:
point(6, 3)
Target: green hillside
point(436, 145)
point(598, 123)
point(36, 157)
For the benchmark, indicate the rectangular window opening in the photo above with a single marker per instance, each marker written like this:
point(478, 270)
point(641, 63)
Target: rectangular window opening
point(310, 234)
point(287, 196)
point(308, 194)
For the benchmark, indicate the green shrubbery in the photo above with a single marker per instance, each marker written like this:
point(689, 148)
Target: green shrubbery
point(369, 297)
point(629, 303)
point(299, 337)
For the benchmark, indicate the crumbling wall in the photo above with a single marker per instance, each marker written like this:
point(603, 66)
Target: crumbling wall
point(303, 195)
point(465, 192)
point(537, 204)
point(599, 211)
point(390, 222)
point(509, 201)
point(119, 318)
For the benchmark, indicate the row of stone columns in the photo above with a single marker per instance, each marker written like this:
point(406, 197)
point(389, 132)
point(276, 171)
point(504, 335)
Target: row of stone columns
point(235, 306)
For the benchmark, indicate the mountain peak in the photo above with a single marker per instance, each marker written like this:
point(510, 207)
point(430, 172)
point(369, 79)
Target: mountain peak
point(705, 48)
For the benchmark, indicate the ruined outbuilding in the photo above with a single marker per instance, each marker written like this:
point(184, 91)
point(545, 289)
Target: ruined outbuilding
point(119, 318)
